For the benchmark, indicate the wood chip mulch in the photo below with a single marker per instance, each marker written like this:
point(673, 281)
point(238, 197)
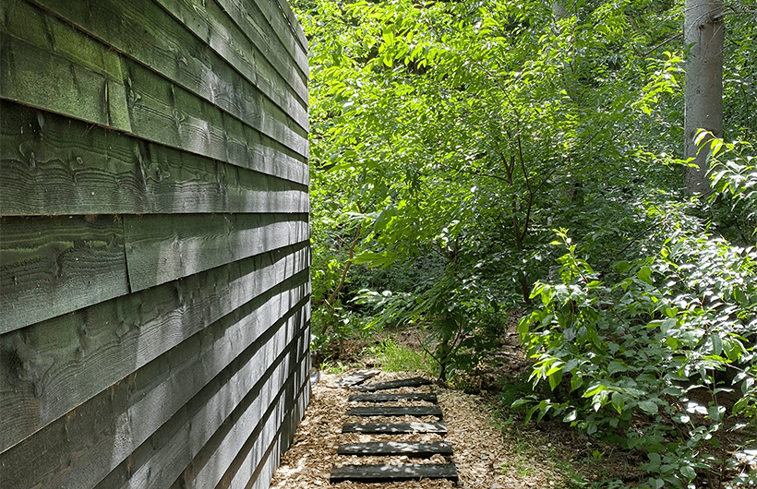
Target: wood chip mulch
point(477, 447)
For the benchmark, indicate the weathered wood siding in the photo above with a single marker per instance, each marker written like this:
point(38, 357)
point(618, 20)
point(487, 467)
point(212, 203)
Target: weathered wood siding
point(154, 257)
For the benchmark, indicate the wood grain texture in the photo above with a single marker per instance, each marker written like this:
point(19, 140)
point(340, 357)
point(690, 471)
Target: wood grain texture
point(47, 64)
point(271, 458)
point(160, 248)
point(163, 112)
point(410, 396)
point(148, 34)
point(251, 455)
point(52, 165)
point(196, 430)
point(211, 23)
point(389, 411)
point(105, 430)
point(394, 428)
point(393, 473)
point(409, 448)
point(60, 363)
point(253, 19)
point(154, 242)
point(54, 265)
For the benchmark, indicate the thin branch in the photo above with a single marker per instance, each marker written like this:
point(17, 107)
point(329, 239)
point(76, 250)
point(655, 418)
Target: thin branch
point(666, 41)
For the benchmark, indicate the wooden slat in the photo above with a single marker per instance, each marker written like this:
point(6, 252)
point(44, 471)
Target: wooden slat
point(164, 248)
point(52, 165)
point(410, 396)
point(197, 429)
point(394, 384)
point(160, 111)
point(392, 411)
point(394, 428)
point(410, 448)
point(55, 265)
point(393, 473)
point(64, 361)
point(294, 25)
point(53, 83)
point(282, 51)
point(105, 430)
point(146, 33)
point(264, 440)
point(355, 378)
point(213, 26)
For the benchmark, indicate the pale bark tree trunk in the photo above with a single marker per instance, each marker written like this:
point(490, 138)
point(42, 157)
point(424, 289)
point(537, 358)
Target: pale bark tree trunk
point(703, 31)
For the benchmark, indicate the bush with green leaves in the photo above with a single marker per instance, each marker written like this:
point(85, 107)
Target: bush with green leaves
point(653, 355)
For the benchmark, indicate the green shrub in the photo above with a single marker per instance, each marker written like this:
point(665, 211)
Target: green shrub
point(622, 359)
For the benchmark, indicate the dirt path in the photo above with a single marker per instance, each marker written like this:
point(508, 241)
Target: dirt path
point(478, 448)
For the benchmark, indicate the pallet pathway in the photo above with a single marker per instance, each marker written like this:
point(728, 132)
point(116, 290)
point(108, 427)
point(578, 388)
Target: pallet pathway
point(394, 473)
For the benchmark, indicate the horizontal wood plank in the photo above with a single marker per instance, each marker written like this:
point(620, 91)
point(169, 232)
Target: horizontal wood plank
point(52, 165)
point(410, 396)
point(51, 82)
point(160, 249)
point(162, 112)
point(410, 448)
point(281, 48)
point(55, 265)
point(187, 440)
point(147, 33)
point(394, 384)
point(393, 473)
point(356, 378)
point(62, 362)
point(218, 32)
point(392, 411)
point(105, 431)
point(246, 465)
point(394, 428)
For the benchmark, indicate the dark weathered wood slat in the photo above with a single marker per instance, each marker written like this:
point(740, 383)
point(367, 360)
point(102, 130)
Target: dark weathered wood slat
point(59, 265)
point(75, 168)
point(393, 473)
point(356, 378)
point(417, 411)
point(248, 16)
point(105, 430)
point(160, 249)
point(201, 448)
point(182, 107)
point(394, 384)
point(54, 83)
point(410, 396)
point(151, 36)
point(409, 448)
point(160, 111)
point(71, 358)
point(213, 26)
point(394, 428)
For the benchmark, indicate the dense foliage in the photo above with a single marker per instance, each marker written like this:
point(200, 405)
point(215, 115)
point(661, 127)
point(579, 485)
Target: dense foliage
point(452, 142)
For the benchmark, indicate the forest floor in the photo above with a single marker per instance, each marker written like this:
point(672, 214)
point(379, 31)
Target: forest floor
point(492, 447)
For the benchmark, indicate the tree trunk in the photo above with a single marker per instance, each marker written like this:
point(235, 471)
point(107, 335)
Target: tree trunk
point(703, 32)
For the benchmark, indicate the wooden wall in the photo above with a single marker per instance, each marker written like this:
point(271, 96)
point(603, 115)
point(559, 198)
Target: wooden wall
point(154, 257)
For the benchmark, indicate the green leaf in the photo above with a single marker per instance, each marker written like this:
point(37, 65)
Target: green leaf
point(615, 366)
point(648, 407)
point(645, 275)
point(555, 378)
point(688, 473)
point(717, 344)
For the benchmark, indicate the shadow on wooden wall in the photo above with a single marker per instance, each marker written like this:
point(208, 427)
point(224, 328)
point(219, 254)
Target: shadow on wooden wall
point(154, 256)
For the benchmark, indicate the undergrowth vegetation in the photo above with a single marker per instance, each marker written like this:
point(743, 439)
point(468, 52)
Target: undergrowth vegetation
point(472, 159)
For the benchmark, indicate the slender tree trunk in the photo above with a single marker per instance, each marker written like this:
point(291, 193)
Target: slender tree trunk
point(703, 32)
